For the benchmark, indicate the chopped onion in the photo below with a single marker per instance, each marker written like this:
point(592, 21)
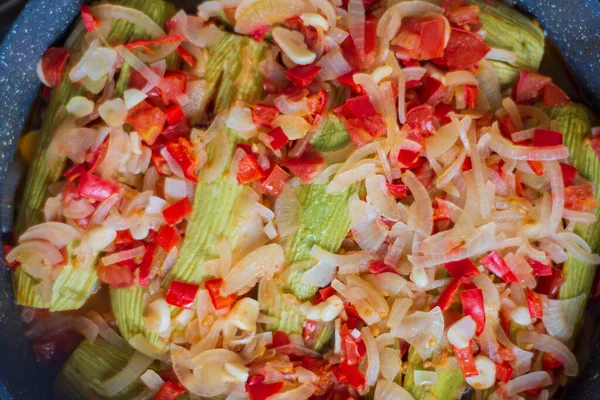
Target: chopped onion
point(368, 229)
point(240, 120)
point(46, 250)
point(252, 14)
point(107, 333)
point(390, 21)
point(422, 220)
point(372, 356)
point(458, 78)
point(333, 65)
point(137, 364)
point(390, 362)
point(461, 332)
point(399, 310)
point(506, 149)
point(530, 381)
point(560, 316)
point(423, 377)
point(142, 345)
point(386, 390)
point(158, 316)
point(138, 18)
point(423, 330)
point(486, 376)
point(356, 26)
point(264, 261)
point(444, 139)
point(320, 275)
point(57, 233)
point(124, 255)
point(344, 179)
point(287, 106)
point(152, 380)
point(302, 392)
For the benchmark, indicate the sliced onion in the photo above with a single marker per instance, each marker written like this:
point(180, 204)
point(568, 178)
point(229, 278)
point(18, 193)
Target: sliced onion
point(422, 330)
point(287, 210)
point(124, 255)
point(57, 233)
point(264, 261)
point(143, 346)
point(506, 149)
point(287, 106)
point(560, 316)
point(302, 392)
point(153, 79)
point(523, 358)
point(390, 21)
point(461, 332)
point(103, 209)
point(386, 390)
point(577, 247)
point(422, 221)
point(552, 171)
point(530, 381)
point(138, 18)
point(240, 120)
point(320, 275)
point(356, 258)
point(344, 179)
point(356, 25)
point(372, 356)
point(423, 377)
point(252, 14)
point(390, 362)
point(458, 78)
point(333, 65)
point(107, 333)
point(368, 229)
point(398, 312)
point(215, 166)
point(443, 140)
point(152, 380)
point(46, 250)
point(370, 87)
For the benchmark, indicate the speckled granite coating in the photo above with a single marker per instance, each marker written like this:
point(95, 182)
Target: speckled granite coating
point(574, 25)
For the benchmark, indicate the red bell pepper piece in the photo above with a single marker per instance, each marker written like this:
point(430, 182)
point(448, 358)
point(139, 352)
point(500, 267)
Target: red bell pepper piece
point(274, 181)
point(447, 297)
point(249, 170)
point(464, 49)
point(350, 374)
point(550, 362)
point(172, 86)
point(147, 120)
point(181, 294)
point(552, 96)
point(545, 137)
point(528, 87)
point(316, 104)
point(379, 267)
point(507, 126)
point(324, 294)
point(174, 114)
point(441, 211)
point(263, 115)
point(399, 191)
point(73, 173)
point(70, 192)
point(464, 267)
point(306, 166)
point(534, 304)
point(471, 96)
point(496, 264)
point(580, 198)
point(124, 238)
point(219, 301)
point(407, 158)
point(309, 330)
point(550, 284)
point(176, 212)
point(467, 164)
point(503, 372)
point(115, 275)
point(360, 107)
point(183, 153)
point(94, 188)
point(353, 349)
point(422, 116)
point(429, 37)
point(303, 75)
point(279, 339)
point(473, 305)
point(170, 391)
point(146, 45)
point(536, 166)
point(433, 91)
point(348, 80)
point(568, 174)
point(441, 111)
point(540, 269)
point(278, 138)
point(53, 64)
point(466, 361)
point(257, 390)
point(186, 56)
point(90, 22)
point(146, 264)
point(167, 238)
point(259, 33)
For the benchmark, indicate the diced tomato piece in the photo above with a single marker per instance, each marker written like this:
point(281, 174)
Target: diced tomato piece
point(536, 166)
point(464, 267)
point(363, 131)
point(441, 111)
point(279, 339)
point(447, 297)
point(580, 198)
point(473, 305)
point(471, 96)
point(181, 129)
point(429, 35)
point(324, 294)
point(73, 173)
point(348, 80)
point(545, 137)
point(263, 115)
point(534, 304)
point(93, 160)
point(259, 33)
point(433, 91)
point(258, 390)
point(465, 15)
point(275, 180)
point(181, 294)
point(303, 75)
point(529, 86)
point(90, 22)
point(115, 275)
point(176, 212)
point(278, 138)
point(353, 349)
point(464, 49)
point(124, 238)
point(407, 158)
point(183, 153)
point(167, 238)
point(174, 114)
point(554, 96)
point(170, 391)
point(550, 362)
point(249, 170)
point(159, 162)
point(306, 166)
point(503, 372)
point(94, 188)
point(466, 361)
point(379, 267)
point(309, 330)
point(346, 372)
point(399, 191)
point(219, 301)
point(423, 117)
point(496, 264)
point(360, 107)
point(568, 174)
point(52, 65)
point(540, 269)
point(173, 85)
point(550, 284)
point(147, 120)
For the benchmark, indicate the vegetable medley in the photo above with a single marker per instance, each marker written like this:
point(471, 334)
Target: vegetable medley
point(298, 199)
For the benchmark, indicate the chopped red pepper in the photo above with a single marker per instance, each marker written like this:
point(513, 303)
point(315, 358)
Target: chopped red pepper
point(249, 170)
point(279, 339)
point(552, 96)
point(174, 114)
point(447, 297)
point(324, 294)
point(379, 267)
point(167, 238)
point(464, 267)
point(275, 180)
point(353, 349)
point(550, 284)
point(186, 56)
point(428, 34)
point(507, 126)
point(147, 120)
point(257, 390)
point(473, 305)
point(176, 212)
point(580, 198)
point(259, 33)
point(309, 330)
point(467, 164)
point(146, 264)
point(170, 391)
point(124, 238)
point(306, 166)
point(263, 115)
point(422, 116)
point(540, 269)
point(73, 173)
point(399, 191)
point(278, 138)
point(360, 107)
point(115, 275)
point(219, 301)
point(464, 49)
point(568, 174)
point(441, 112)
point(146, 45)
point(527, 89)
point(545, 137)
point(496, 264)
point(550, 362)
point(181, 294)
point(316, 105)
point(303, 75)
point(350, 374)
point(53, 64)
point(348, 80)
point(172, 86)
point(94, 188)
point(432, 91)
point(534, 304)
point(361, 130)
point(90, 22)
point(471, 96)
point(408, 158)
point(183, 153)
point(503, 372)
point(536, 166)
point(466, 361)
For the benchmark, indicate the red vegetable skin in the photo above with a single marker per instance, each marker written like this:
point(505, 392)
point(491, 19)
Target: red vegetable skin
point(257, 390)
point(528, 87)
point(407, 158)
point(466, 361)
point(360, 107)
point(94, 188)
point(303, 75)
point(503, 372)
point(447, 297)
point(496, 264)
point(214, 290)
point(278, 138)
point(6, 249)
point(174, 114)
point(350, 374)
point(433, 91)
point(173, 85)
point(183, 153)
point(249, 170)
point(550, 284)
point(424, 37)
point(463, 14)
point(146, 45)
point(306, 166)
point(580, 198)
point(552, 96)
point(550, 362)
point(144, 269)
point(263, 115)
point(568, 174)
point(279, 339)
point(52, 65)
point(175, 213)
point(170, 391)
point(473, 305)
point(471, 96)
point(540, 269)
point(463, 49)
point(90, 22)
point(147, 120)
point(545, 137)
point(186, 56)
point(115, 275)
point(275, 180)
point(181, 294)
point(324, 294)
point(259, 33)
point(379, 267)
point(348, 80)
point(309, 330)
point(422, 116)
point(464, 267)
point(536, 166)
point(399, 191)
point(167, 238)
point(353, 349)
point(534, 304)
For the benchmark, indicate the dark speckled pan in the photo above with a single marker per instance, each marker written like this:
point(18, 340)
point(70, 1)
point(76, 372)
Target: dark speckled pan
point(573, 25)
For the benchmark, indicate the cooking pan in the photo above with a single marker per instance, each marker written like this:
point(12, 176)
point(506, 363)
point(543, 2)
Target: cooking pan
point(572, 58)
